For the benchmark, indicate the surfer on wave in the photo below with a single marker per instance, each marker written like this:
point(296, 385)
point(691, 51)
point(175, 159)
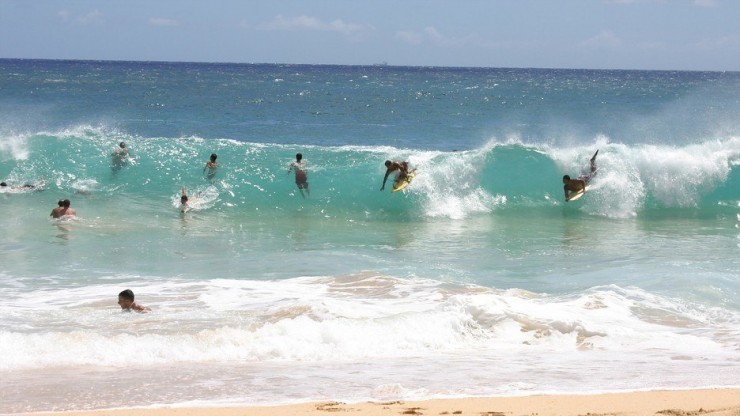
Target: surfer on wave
point(574, 186)
point(401, 167)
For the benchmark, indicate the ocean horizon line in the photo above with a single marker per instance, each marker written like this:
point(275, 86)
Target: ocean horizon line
point(359, 65)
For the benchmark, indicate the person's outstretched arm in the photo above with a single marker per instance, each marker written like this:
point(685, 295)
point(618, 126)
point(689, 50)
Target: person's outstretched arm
point(387, 172)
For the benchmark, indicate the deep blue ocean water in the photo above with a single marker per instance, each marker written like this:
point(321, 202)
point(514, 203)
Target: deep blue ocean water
point(478, 280)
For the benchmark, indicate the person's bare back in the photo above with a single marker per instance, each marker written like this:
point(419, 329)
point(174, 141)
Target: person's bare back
point(55, 213)
point(574, 186)
point(63, 210)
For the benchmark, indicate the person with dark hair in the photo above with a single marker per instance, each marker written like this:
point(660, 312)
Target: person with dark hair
point(211, 166)
point(184, 201)
point(574, 186)
point(24, 187)
point(67, 211)
point(401, 167)
point(63, 210)
point(55, 211)
point(301, 174)
point(120, 155)
point(126, 302)
point(122, 148)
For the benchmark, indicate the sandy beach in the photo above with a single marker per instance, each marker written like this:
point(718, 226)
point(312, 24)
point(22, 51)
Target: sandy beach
point(478, 280)
point(715, 402)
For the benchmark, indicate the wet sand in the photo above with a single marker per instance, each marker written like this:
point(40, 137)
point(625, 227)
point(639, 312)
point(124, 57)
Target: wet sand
point(714, 402)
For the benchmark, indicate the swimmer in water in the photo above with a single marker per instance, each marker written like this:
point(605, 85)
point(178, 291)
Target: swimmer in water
point(301, 174)
point(211, 166)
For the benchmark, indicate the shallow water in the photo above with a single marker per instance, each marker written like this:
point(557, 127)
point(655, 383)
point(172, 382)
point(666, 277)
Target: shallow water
point(478, 280)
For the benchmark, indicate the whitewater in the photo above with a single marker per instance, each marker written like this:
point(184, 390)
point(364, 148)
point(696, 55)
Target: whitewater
point(478, 280)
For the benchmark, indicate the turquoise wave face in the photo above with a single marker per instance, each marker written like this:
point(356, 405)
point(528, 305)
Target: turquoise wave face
point(345, 181)
point(481, 242)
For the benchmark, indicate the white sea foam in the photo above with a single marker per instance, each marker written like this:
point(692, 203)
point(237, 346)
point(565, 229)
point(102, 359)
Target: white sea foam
point(449, 185)
point(13, 147)
point(519, 294)
point(629, 175)
point(199, 198)
point(329, 319)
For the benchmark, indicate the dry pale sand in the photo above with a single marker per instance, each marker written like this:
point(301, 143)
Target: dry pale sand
point(714, 402)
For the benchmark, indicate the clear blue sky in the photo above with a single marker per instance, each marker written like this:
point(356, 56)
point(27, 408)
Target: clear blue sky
point(598, 34)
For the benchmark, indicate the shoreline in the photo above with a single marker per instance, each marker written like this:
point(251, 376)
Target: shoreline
point(713, 402)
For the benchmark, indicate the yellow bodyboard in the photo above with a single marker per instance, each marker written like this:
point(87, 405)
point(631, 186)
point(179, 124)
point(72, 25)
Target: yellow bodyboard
point(400, 185)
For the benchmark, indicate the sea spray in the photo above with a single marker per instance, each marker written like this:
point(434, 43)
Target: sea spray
point(478, 279)
point(345, 180)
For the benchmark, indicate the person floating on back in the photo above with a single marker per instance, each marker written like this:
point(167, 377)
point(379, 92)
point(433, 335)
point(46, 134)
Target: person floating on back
point(574, 186)
point(127, 304)
point(401, 167)
point(301, 174)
